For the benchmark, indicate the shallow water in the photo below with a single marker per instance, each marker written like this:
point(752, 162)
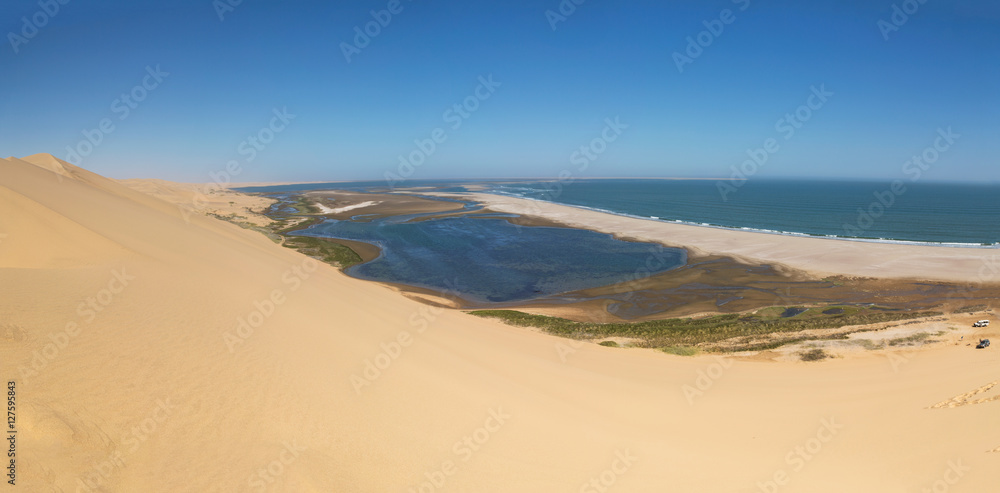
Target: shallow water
point(791, 312)
point(492, 260)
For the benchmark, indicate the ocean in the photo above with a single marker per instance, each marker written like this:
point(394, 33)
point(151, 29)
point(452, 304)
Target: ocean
point(961, 215)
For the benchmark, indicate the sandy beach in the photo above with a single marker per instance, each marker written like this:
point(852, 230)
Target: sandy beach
point(821, 256)
point(156, 348)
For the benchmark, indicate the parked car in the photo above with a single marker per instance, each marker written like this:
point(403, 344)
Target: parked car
point(982, 323)
point(983, 344)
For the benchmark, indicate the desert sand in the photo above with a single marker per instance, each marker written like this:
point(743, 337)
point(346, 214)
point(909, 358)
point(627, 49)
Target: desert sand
point(156, 349)
point(192, 198)
point(822, 256)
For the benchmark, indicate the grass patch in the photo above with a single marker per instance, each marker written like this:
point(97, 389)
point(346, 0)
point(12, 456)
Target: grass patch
point(706, 331)
point(242, 222)
point(763, 346)
point(870, 344)
point(971, 309)
point(681, 350)
point(912, 340)
point(325, 250)
point(814, 355)
point(610, 344)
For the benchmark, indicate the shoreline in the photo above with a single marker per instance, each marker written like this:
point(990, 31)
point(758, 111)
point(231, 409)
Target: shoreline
point(820, 256)
point(478, 187)
point(691, 290)
point(889, 241)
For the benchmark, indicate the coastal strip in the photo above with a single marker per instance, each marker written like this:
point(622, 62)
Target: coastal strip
point(821, 257)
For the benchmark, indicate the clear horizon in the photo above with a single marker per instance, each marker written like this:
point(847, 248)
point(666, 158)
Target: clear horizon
point(401, 90)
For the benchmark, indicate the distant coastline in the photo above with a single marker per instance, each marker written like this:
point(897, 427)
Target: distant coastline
point(944, 215)
point(769, 231)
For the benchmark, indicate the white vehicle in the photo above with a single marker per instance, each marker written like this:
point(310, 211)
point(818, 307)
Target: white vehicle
point(982, 323)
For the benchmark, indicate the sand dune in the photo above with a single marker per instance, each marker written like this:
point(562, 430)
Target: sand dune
point(154, 352)
point(193, 198)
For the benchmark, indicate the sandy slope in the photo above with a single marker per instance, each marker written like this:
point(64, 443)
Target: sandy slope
point(820, 255)
point(206, 199)
point(138, 388)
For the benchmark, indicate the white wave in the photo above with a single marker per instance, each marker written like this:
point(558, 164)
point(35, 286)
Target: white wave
point(767, 231)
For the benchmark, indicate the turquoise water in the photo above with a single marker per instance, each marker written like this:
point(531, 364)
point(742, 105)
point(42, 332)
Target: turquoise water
point(953, 214)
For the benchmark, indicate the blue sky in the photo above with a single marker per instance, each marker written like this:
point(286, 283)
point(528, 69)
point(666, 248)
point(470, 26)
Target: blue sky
point(557, 87)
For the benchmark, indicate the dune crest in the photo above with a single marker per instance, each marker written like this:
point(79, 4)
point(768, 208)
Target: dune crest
point(50, 162)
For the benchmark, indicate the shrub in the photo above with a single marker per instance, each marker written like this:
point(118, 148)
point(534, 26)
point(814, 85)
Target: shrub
point(814, 355)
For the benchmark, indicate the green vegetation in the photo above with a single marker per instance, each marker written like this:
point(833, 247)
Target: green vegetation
point(814, 355)
point(914, 339)
point(300, 218)
point(744, 331)
point(242, 222)
point(681, 350)
point(325, 250)
point(971, 309)
point(870, 344)
point(610, 344)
